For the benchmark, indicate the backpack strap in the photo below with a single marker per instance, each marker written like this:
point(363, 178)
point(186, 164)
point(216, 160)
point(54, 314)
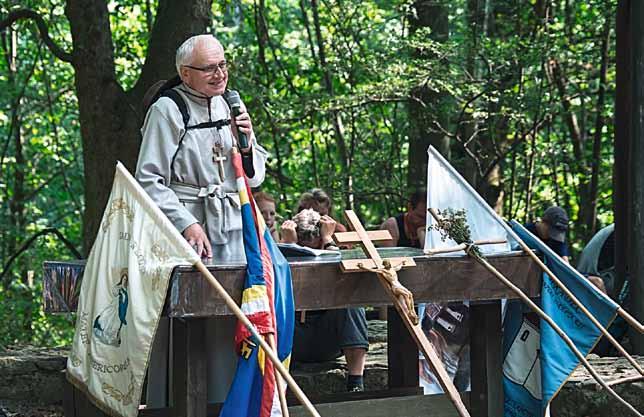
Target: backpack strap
point(181, 105)
point(217, 124)
point(173, 95)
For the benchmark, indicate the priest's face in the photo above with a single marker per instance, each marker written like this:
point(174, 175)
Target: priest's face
point(208, 72)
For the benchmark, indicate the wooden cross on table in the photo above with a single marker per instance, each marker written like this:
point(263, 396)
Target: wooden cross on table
point(219, 158)
point(386, 270)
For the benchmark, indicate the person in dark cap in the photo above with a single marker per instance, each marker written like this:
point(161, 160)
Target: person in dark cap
point(551, 229)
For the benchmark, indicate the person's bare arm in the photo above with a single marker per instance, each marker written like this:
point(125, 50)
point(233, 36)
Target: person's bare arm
point(597, 282)
point(327, 227)
point(420, 232)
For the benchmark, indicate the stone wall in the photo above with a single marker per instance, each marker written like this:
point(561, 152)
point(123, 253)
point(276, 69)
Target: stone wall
point(583, 397)
point(32, 375)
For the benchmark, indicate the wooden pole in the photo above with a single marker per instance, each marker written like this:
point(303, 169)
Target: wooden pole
point(583, 308)
point(624, 380)
point(230, 303)
point(558, 330)
point(463, 246)
point(416, 331)
point(631, 320)
point(534, 307)
point(279, 384)
point(430, 354)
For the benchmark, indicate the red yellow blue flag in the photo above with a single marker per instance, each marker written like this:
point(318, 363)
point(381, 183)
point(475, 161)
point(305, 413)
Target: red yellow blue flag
point(267, 301)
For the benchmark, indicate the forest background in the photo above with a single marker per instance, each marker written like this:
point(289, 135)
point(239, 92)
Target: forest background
point(346, 95)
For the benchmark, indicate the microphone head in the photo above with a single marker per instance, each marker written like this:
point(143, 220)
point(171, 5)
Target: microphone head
point(233, 99)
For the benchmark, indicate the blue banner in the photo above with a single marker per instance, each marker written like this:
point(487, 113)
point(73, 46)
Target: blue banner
point(537, 362)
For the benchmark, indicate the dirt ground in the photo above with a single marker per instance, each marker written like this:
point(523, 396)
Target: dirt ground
point(14, 409)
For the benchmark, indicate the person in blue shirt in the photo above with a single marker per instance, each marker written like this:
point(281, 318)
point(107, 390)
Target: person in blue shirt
point(551, 229)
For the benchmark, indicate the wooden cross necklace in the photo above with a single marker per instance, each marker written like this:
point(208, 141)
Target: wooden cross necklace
point(218, 157)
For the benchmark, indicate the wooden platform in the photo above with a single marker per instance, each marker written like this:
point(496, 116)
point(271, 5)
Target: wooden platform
point(319, 284)
point(393, 403)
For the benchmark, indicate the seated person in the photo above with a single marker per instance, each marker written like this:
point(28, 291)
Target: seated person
point(319, 201)
point(551, 229)
point(327, 334)
point(408, 229)
point(266, 205)
point(597, 259)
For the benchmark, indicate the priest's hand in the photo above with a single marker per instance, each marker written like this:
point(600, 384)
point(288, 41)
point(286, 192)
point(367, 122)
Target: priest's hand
point(245, 124)
point(289, 232)
point(197, 238)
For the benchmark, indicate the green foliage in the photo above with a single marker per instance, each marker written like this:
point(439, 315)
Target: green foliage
point(452, 224)
point(344, 124)
point(41, 177)
point(25, 322)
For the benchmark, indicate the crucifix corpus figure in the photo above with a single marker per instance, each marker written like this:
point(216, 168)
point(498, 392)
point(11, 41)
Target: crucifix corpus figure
point(390, 274)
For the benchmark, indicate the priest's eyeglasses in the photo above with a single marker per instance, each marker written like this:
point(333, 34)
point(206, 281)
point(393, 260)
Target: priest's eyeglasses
point(211, 69)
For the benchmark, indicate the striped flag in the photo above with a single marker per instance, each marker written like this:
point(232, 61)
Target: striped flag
point(267, 300)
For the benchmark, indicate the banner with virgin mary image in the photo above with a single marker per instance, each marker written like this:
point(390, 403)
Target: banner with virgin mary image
point(122, 296)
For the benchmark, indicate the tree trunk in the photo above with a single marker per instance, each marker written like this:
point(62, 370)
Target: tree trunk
point(20, 194)
point(110, 121)
point(589, 209)
point(425, 109)
point(336, 117)
point(629, 157)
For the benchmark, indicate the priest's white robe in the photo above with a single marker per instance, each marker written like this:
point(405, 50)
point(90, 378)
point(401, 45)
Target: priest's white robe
point(176, 168)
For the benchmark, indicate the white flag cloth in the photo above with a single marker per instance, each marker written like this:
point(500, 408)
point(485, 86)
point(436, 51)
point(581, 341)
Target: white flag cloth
point(447, 189)
point(122, 295)
point(447, 325)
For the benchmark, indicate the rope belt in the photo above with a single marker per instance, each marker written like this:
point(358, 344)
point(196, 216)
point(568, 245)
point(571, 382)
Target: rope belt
point(221, 209)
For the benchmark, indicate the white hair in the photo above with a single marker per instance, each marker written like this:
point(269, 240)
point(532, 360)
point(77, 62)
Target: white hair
point(308, 225)
point(186, 50)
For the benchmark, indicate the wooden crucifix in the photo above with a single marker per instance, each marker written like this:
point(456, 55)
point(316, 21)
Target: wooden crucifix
point(386, 269)
point(218, 158)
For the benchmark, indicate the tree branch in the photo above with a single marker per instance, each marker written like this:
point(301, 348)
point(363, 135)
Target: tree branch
point(28, 243)
point(42, 28)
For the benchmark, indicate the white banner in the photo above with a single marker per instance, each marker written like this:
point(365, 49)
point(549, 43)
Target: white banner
point(447, 189)
point(447, 325)
point(122, 294)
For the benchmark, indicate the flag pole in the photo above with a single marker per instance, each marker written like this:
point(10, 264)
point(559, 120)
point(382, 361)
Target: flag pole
point(631, 320)
point(534, 307)
point(279, 384)
point(463, 246)
point(230, 303)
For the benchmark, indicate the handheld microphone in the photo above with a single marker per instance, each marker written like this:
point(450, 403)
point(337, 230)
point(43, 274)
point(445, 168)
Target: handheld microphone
point(232, 97)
